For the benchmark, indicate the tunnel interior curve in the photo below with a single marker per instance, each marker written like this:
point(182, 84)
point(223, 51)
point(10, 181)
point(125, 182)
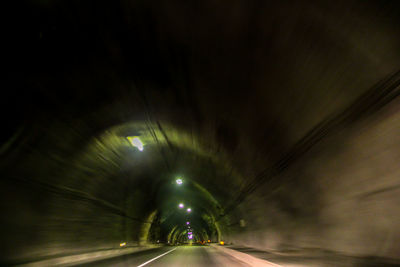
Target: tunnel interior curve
point(280, 120)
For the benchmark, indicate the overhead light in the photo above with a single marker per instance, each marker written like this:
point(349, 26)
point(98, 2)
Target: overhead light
point(181, 205)
point(135, 141)
point(189, 210)
point(179, 181)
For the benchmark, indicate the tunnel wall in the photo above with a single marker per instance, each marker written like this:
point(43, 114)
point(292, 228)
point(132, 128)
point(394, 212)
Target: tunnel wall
point(341, 196)
point(59, 202)
point(62, 224)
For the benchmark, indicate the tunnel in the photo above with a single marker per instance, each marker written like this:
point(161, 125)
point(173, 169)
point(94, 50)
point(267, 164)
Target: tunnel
point(200, 133)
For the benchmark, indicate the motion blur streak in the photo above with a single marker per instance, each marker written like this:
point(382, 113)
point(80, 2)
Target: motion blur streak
point(131, 128)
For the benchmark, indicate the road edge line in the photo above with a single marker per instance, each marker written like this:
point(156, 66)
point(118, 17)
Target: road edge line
point(153, 259)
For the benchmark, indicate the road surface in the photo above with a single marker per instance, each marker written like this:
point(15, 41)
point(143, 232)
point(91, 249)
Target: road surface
point(191, 256)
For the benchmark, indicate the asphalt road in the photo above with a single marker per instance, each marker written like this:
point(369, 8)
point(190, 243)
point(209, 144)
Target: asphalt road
point(191, 256)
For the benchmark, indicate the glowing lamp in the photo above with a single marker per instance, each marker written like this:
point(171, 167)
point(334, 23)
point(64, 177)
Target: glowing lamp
point(135, 141)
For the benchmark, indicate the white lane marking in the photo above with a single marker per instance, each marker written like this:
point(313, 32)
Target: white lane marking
point(153, 259)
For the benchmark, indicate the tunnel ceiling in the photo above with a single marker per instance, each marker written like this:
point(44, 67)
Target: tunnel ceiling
point(218, 92)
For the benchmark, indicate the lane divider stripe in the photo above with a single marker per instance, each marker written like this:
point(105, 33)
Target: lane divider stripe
point(153, 259)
